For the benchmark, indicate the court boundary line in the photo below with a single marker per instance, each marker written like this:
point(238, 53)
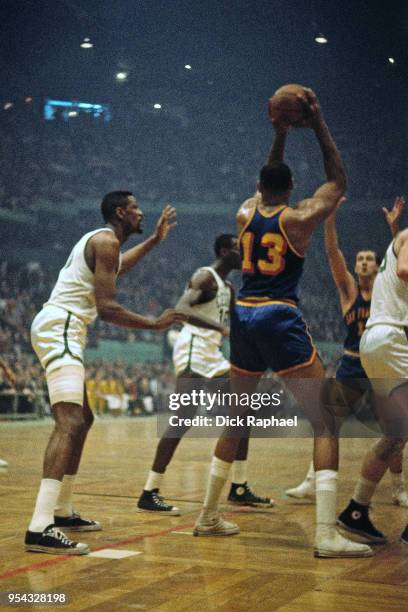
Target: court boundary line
point(61, 559)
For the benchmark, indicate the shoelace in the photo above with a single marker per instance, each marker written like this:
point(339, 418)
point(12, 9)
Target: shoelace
point(251, 494)
point(59, 535)
point(158, 500)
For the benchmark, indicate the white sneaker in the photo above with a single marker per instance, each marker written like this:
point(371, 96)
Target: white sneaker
point(329, 544)
point(400, 497)
point(306, 490)
point(214, 525)
point(3, 464)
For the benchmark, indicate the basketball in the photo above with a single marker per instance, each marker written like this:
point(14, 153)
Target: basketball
point(285, 107)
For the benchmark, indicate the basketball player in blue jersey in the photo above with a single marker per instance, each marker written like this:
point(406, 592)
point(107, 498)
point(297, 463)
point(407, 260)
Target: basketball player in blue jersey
point(351, 381)
point(267, 328)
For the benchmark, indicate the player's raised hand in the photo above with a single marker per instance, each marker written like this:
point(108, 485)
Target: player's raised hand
point(168, 318)
point(393, 216)
point(311, 109)
point(166, 222)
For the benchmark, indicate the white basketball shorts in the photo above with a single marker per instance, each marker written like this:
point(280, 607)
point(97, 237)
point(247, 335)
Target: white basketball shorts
point(384, 357)
point(194, 354)
point(58, 337)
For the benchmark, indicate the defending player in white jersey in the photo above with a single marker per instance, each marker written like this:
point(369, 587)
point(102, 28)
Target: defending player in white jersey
point(351, 382)
point(86, 287)
point(197, 355)
point(384, 355)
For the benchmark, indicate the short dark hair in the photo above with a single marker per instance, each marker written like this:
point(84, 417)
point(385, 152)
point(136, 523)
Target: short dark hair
point(276, 176)
point(112, 201)
point(224, 241)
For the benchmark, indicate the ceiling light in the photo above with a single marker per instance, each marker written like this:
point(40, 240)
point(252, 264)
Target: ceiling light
point(391, 60)
point(187, 67)
point(86, 43)
point(321, 39)
point(157, 106)
point(121, 76)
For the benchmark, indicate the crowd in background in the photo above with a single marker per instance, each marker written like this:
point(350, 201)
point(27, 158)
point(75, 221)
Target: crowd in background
point(182, 157)
point(61, 162)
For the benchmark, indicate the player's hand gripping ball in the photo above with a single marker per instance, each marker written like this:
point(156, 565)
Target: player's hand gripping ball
point(288, 106)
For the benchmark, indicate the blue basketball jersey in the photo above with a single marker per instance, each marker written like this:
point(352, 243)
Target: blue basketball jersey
point(270, 266)
point(355, 321)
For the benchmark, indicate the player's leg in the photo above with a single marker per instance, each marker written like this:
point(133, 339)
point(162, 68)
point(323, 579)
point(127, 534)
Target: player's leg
point(210, 522)
point(61, 456)
point(339, 396)
point(150, 499)
point(65, 515)
point(355, 517)
point(399, 491)
point(328, 542)
point(240, 492)
point(385, 359)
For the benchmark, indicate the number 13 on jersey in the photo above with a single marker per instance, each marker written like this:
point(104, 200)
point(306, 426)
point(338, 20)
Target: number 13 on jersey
point(274, 263)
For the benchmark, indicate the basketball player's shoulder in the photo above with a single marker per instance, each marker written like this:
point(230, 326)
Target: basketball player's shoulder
point(203, 279)
point(105, 239)
point(247, 208)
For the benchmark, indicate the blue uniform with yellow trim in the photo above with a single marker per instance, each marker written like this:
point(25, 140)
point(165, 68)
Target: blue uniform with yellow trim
point(267, 328)
point(355, 321)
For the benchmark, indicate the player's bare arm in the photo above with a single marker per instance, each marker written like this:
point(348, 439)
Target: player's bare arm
point(393, 216)
point(300, 222)
point(164, 225)
point(342, 277)
point(106, 255)
point(401, 251)
point(246, 210)
point(276, 154)
point(202, 288)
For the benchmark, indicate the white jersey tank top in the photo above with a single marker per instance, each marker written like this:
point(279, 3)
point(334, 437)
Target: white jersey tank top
point(216, 309)
point(389, 301)
point(74, 290)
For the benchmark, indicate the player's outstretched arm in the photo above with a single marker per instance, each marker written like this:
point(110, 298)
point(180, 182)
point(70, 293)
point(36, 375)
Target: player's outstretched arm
point(164, 225)
point(393, 216)
point(106, 255)
point(302, 221)
point(277, 152)
point(342, 277)
point(200, 290)
point(401, 250)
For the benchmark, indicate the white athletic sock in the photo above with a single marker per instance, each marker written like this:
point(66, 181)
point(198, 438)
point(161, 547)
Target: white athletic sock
point(239, 471)
point(311, 472)
point(153, 481)
point(326, 489)
point(44, 506)
point(364, 491)
point(64, 503)
point(219, 471)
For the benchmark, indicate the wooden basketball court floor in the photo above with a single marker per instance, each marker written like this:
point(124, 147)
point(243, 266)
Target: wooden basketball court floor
point(269, 566)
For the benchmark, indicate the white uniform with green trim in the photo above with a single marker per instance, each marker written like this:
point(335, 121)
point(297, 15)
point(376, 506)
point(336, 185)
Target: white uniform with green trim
point(197, 350)
point(384, 344)
point(58, 332)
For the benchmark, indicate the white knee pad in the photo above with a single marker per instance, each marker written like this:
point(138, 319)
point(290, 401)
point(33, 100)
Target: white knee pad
point(66, 384)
